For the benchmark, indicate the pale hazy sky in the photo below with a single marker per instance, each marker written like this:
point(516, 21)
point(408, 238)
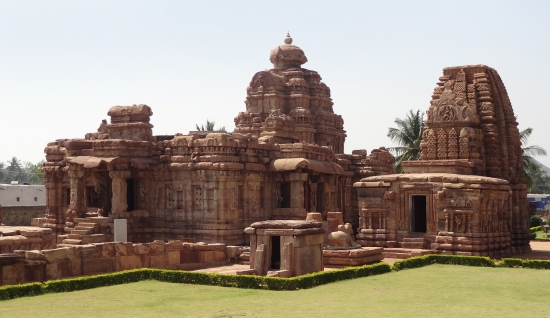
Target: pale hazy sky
point(63, 64)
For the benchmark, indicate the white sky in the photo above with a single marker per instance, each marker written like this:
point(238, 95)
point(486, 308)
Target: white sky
point(63, 64)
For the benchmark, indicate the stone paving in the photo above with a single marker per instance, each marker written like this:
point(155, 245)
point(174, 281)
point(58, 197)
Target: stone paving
point(540, 250)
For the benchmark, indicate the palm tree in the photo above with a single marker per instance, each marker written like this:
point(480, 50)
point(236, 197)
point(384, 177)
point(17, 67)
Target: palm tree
point(210, 126)
point(530, 166)
point(408, 136)
point(33, 172)
point(2, 172)
point(14, 170)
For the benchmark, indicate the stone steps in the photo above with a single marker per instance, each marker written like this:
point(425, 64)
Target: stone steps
point(396, 255)
point(84, 232)
point(410, 239)
point(403, 253)
point(75, 236)
point(85, 228)
point(71, 242)
point(94, 238)
point(418, 245)
point(87, 224)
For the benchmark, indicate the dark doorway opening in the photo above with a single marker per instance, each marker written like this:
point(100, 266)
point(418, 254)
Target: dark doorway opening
point(285, 194)
point(130, 194)
point(275, 252)
point(93, 197)
point(418, 213)
point(320, 197)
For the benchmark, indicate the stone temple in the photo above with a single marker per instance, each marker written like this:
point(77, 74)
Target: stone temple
point(467, 193)
point(284, 159)
point(280, 183)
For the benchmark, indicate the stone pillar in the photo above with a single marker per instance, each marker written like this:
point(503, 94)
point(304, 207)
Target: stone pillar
point(77, 203)
point(118, 202)
point(55, 216)
point(297, 189)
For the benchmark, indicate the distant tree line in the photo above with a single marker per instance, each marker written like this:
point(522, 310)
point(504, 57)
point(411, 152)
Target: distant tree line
point(24, 172)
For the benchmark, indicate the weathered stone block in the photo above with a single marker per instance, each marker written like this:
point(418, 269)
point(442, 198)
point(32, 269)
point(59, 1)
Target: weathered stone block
point(219, 256)
point(98, 265)
point(308, 259)
point(206, 256)
point(128, 262)
point(173, 257)
point(188, 256)
point(175, 246)
point(106, 249)
point(88, 251)
point(142, 249)
point(159, 261)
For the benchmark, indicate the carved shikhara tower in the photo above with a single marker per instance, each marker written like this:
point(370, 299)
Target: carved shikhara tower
point(467, 193)
point(293, 91)
point(284, 159)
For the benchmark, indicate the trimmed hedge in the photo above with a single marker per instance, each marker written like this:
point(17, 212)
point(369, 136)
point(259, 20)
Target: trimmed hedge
point(535, 229)
point(524, 263)
point(175, 276)
point(425, 260)
point(542, 239)
point(255, 282)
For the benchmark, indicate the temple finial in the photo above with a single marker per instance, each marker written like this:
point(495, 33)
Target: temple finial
point(288, 39)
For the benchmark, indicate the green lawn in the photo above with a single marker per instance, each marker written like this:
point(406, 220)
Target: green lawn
point(432, 291)
point(540, 233)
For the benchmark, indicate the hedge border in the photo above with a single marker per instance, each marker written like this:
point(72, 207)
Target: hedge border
point(421, 261)
point(186, 277)
point(257, 282)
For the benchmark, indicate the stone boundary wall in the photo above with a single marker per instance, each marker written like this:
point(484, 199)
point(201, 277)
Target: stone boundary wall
point(22, 215)
point(99, 258)
point(14, 238)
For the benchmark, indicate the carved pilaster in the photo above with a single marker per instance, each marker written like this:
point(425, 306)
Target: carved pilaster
point(119, 202)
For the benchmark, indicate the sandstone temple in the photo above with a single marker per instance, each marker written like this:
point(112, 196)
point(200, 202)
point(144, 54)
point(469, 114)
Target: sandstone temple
point(284, 159)
point(280, 183)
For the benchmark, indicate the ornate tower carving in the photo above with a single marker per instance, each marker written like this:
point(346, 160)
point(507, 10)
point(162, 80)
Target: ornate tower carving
point(293, 92)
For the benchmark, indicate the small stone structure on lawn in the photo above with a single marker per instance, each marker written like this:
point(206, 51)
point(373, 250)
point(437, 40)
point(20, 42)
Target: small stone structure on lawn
point(286, 248)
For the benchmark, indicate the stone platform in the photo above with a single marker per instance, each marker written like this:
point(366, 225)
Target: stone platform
point(353, 257)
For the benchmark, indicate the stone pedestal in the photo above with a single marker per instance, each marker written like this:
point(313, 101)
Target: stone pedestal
point(353, 257)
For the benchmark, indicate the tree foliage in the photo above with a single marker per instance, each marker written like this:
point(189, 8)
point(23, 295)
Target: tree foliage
point(24, 172)
point(407, 135)
point(210, 126)
point(536, 178)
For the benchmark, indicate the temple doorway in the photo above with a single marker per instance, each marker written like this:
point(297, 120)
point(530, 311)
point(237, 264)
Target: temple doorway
point(130, 194)
point(275, 252)
point(285, 195)
point(418, 213)
point(321, 197)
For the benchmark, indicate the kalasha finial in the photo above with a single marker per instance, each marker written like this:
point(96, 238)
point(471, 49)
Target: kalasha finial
point(288, 39)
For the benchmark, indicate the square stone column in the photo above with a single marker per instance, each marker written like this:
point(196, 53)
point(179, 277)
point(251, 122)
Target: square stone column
point(55, 215)
point(77, 203)
point(297, 189)
point(119, 201)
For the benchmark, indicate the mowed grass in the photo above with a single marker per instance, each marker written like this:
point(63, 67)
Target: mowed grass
point(431, 291)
